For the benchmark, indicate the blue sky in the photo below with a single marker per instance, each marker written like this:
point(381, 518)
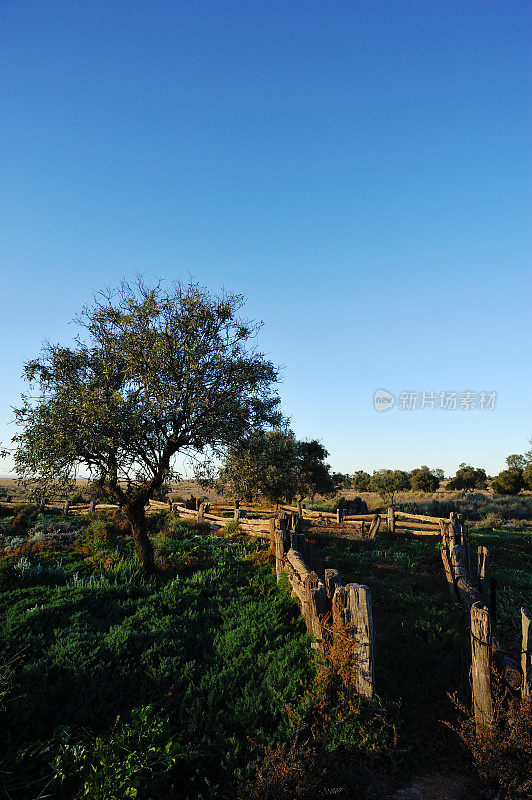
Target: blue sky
point(360, 171)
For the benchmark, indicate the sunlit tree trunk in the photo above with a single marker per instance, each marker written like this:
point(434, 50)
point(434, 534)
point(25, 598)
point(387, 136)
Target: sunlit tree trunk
point(136, 517)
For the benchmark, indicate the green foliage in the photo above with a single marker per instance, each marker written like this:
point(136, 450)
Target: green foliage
point(509, 481)
point(148, 688)
point(424, 479)
point(468, 478)
point(527, 476)
point(360, 481)
point(157, 373)
point(387, 482)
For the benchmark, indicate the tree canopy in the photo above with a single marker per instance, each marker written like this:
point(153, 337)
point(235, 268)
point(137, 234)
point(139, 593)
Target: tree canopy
point(468, 478)
point(387, 482)
point(157, 373)
point(274, 465)
point(424, 479)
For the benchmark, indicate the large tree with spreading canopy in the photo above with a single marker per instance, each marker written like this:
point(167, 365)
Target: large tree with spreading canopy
point(155, 373)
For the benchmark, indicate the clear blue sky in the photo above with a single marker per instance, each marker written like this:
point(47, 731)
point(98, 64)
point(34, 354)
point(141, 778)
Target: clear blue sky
point(360, 171)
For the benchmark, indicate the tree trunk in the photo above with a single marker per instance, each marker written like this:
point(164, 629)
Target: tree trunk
point(137, 519)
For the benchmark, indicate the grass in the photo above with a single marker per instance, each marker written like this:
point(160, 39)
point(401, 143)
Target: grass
point(128, 687)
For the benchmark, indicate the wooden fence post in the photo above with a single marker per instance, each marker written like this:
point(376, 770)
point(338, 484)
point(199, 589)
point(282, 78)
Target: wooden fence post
point(92, 506)
point(332, 581)
point(449, 575)
point(66, 506)
point(279, 554)
point(272, 535)
point(359, 604)
point(375, 525)
point(481, 667)
point(483, 573)
point(391, 519)
point(201, 510)
point(338, 515)
point(526, 653)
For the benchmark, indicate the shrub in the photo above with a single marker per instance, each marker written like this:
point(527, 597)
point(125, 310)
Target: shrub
point(509, 481)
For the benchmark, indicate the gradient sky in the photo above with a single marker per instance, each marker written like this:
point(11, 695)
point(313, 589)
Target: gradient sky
point(360, 171)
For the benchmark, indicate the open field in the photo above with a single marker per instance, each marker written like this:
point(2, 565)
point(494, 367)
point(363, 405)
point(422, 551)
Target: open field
point(200, 682)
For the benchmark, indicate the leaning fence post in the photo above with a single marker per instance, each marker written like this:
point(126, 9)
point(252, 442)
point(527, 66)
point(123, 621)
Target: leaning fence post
point(483, 573)
point(391, 519)
point(449, 575)
point(359, 604)
point(526, 653)
point(332, 580)
point(481, 667)
point(201, 509)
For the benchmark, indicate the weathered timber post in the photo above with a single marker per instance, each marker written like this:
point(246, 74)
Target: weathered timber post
point(332, 581)
point(363, 528)
point(318, 608)
point(66, 506)
point(92, 507)
point(201, 511)
point(375, 525)
point(481, 668)
point(458, 562)
point(272, 535)
point(299, 507)
point(310, 583)
point(483, 573)
point(361, 617)
point(279, 554)
point(526, 652)
point(236, 515)
point(449, 575)
point(338, 515)
point(454, 530)
point(444, 530)
point(390, 519)
point(339, 609)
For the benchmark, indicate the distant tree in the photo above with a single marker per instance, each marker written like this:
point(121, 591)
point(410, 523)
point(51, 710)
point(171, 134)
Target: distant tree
point(516, 461)
point(527, 476)
point(387, 482)
point(423, 479)
point(341, 480)
point(275, 466)
point(509, 481)
point(312, 473)
point(360, 481)
point(468, 478)
point(263, 464)
point(159, 373)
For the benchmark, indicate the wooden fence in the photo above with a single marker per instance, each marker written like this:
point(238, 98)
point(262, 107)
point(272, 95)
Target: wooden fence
point(489, 653)
point(332, 612)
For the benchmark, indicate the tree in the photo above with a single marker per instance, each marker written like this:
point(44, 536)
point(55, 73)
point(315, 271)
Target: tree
point(387, 482)
point(276, 466)
point(423, 479)
point(468, 478)
point(341, 480)
point(158, 373)
point(516, 461)
point(312, 473)
point(509, 481)
point(527, 476)
point(263, 464)
point(360, 481)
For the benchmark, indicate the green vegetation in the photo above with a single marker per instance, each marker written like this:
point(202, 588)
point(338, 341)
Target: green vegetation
point(276, 467)
point(156, 374)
